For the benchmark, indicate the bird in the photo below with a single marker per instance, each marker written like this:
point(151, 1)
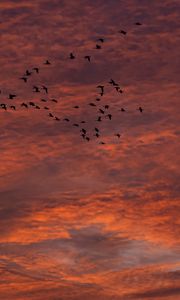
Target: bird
point(13, 107)
point(76, 125)
point(102, 89)
point(123, 32)
point(138, 23)
point(83, 130)
point(99, 119)
point(3, 106)
point(122, 109)
point(98, 47)
point(109, 116)
point(36, 89)
point(23, 78)
point(24, 104)
point(76, 106)
point(54, 100)
point(37, 107)
point(57, 119)
point(92, 104)
point(51, 115)
point(45, 107)
point(83, 122)
point(88, 57)
point(97, 135)
point(117, 88)
point(47, 62)
point(32, 103)
point(118, 135)
point(87, 138)
point(106, 106)
point(102, 143)
point(140, 109)
point(43, 100)
point(83, 135)
point(66, 119)
point(101, 111)
point(96, 129)
point(71, 56)
point(12, 96)
point(36, 69)
point(98, 99)
point(120, 91)
point(27, 73)
point(101, 40)
point(45, 88)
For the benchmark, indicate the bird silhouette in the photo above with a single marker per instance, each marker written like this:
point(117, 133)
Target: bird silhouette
point(32, 103)
point(47, 62)
point(118, 135)
point(13, 107)
point(87, 138)
point(36, 89)
point(83, 122)
point(98, 47)
point(92, 104)
point(51, 115)
point(123, 32)
point(102, 143)
point(54, 100)
point(101, 111)
point(3, 106)
point(66, 119)
point(106, 106)
point(98, 99)
point(138, 23)
point(140, 109)
point(97, 135)
point(102, 89)
point(76, 106)
point(23, 78)
point(83, 130)
point(122, 109)
point(45, 107)
point(57, 119)
point(43, 100)
point(36, 69)
point(12, 96)
point(99, 119)
point(109, 116)
point(37, 107)
point(24, 104)
point(76, 125)
point(45, 88)
point(101, 40)
point(28, 73)
point(88, 57)
point(71, 56)
point(96, 129)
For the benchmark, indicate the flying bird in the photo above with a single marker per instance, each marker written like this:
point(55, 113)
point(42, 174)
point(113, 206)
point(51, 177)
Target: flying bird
point(96, 129)
point(13, 107)
point(109, 116)
point(36, 69)
point(83, 130)
point(87, 57)
point(101, 40)
point(102, 143)
point(51, 115)
point(99, 119)
point(66, 119)
point(140, 109)
point(101, 111)
point(71, 56)
point(23, 78)
point(76, 125)
point(138, 23)
point(27, 73)
point(12, 96)
point(37, 107)
point(54, 100)
point(57, 119)
point(118, 135)
point(32, 103)
point(123, 32)
point(45, 107)
point(24, 104)
point(47, 62)
point(92, 104)
point(36, 89)
point(43, 100)
point(4, 106)
point(45, 88)
point(98, 99)
point(76, 106)
point(106, 106)
point(98, 47)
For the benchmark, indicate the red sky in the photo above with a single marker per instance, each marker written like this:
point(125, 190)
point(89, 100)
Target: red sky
point(80, 220)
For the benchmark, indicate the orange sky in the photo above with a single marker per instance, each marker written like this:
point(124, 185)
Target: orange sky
point(80, 220)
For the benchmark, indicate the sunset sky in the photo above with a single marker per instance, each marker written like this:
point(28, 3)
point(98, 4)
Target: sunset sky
point(82, 220)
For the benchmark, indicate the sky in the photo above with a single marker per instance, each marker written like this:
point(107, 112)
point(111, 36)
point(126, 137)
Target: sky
point(79, 219)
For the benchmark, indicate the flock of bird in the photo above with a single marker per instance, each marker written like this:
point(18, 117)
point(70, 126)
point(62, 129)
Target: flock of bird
point(102, 110)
